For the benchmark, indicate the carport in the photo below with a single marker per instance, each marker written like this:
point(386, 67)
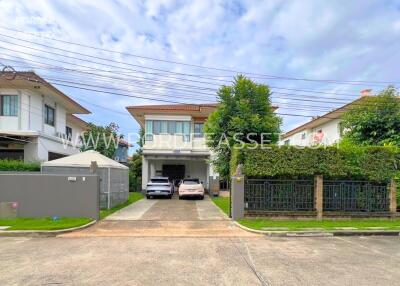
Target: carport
point(176, 167)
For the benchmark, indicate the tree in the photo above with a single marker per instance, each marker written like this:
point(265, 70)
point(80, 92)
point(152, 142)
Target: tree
point(375, 120)
point(244, 114)
point(103, 139)
point(135, 166)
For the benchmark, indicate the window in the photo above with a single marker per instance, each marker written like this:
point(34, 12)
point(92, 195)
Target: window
point(171, 127)
point(9, 105)
point(186, 131)
point(149, 130)
point(286, 142)
point(49, 115)
point(68, 132)
point(198, 130)
point(303, 135)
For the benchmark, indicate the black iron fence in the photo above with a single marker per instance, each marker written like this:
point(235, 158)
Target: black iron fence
point(279, 195)
point(355, 196)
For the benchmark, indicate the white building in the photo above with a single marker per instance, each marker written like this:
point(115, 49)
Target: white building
point(174, 141)
point(37, 121)
point(326, 129)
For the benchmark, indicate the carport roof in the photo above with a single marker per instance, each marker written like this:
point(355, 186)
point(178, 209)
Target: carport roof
point(84, 159)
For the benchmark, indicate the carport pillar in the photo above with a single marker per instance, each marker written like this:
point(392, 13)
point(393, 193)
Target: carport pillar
point(318, 195)
point(392, 197)
point(237, 194)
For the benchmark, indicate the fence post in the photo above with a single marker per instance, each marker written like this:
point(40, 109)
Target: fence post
point(237, 194)
point(392, 197)
point(318, 195)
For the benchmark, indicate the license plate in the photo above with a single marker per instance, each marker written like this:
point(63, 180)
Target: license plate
point(158, 192)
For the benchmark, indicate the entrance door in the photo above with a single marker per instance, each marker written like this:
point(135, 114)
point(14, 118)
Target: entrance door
point(174, 172)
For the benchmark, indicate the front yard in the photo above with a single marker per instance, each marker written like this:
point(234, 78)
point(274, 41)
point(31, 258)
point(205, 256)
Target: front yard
point(133, 197)
point(295, 225)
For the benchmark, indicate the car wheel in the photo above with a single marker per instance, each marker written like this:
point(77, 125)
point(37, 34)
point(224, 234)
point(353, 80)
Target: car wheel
point(202, 197)
point(180, 197)
point(170, 197)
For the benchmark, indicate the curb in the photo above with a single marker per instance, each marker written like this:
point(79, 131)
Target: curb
point(43, 233)
point(321, 233)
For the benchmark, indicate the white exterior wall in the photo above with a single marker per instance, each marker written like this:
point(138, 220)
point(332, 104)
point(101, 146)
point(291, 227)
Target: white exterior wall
point(31, 119)
point(331, 131)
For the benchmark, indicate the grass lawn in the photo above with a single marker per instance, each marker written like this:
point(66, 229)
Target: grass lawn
point(133, 197)
point(222, 203)
point(259, 224)
point(45, 223)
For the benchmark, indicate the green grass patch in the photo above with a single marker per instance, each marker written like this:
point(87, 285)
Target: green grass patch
point(19, 166)
point(133, 197)
point(222, 203)
point(46, 223)
point(361, 224)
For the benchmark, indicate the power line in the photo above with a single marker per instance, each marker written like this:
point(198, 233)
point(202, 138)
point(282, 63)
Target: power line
point(359, 82)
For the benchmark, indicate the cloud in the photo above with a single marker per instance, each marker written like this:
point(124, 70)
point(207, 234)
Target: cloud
point(347, 40)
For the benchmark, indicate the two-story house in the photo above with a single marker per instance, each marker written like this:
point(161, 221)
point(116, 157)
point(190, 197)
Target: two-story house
point(174, 144)
point(325, 129)
point(37, 121)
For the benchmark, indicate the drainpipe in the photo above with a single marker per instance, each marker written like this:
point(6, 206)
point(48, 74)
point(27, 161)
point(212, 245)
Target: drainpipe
point(109, 189)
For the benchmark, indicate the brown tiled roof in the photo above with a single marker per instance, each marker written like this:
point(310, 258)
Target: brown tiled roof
point(185, 107)
point(30, 76)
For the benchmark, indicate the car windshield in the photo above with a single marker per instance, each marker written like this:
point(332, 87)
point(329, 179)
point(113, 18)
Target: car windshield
point(191, 182)
point(164, 181)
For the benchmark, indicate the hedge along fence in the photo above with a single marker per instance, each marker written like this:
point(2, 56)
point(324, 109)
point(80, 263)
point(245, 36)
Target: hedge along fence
point(378, 164)
point(19, 166)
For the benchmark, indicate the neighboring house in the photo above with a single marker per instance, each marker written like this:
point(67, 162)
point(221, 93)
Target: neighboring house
point(326, 129)
point(37, 121)
point(121, 154)
point(174, 144)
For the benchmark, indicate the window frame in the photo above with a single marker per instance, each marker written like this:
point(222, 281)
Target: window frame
point(198, 134)
point(68, 130)
point(46, 115)
point(2, 96)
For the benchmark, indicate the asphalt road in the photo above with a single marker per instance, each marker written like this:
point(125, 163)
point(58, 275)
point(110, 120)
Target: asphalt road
point(200, 261)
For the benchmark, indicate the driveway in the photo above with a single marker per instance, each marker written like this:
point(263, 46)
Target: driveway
point(166, 218)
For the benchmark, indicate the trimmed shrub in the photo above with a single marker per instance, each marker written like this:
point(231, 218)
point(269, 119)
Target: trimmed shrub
point(19, 166)
point(287, 162)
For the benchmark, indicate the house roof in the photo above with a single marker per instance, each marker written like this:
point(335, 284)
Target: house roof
point(84, 159)
point(195, 110)
point(76, 120)
point(30, 80)
point(332, 115)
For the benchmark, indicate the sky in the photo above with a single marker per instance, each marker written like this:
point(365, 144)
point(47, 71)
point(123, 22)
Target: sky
point(183, 51)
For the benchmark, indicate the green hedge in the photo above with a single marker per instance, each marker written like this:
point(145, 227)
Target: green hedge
point(360, 163)
point(21, 166)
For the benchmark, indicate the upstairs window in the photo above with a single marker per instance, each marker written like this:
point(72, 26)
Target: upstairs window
point(9, 105)
point(303, 135)
point(49, 115)
point(198, 130)
point(149, 130)
point(68, 132)
point(286, 142)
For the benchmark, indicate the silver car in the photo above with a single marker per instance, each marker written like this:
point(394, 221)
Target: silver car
point(159, 186)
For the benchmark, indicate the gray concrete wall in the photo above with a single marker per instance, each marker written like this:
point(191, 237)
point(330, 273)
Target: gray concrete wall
point(119, 183)
point(41, 195)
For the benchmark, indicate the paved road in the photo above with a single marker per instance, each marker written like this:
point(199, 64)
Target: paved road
point(200, 261)
point(163, 242)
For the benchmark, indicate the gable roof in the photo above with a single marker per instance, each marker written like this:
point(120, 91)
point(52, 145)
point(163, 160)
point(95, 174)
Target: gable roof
point(195, 110)
point(332, 115)
point(30, 80)
point(84, 159)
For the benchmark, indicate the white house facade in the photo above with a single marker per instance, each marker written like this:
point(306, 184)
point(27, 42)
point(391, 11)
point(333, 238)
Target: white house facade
point(174, 144)
point(322, 130)
point(37, 121)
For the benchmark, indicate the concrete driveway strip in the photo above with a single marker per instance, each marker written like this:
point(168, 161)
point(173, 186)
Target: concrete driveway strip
point(132, 212)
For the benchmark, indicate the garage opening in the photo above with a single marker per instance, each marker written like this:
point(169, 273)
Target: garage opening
point(174, 172)
point(12, 154)
point(55, 156)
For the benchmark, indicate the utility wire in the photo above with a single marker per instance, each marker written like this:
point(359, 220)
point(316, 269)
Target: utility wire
point(358, 82)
